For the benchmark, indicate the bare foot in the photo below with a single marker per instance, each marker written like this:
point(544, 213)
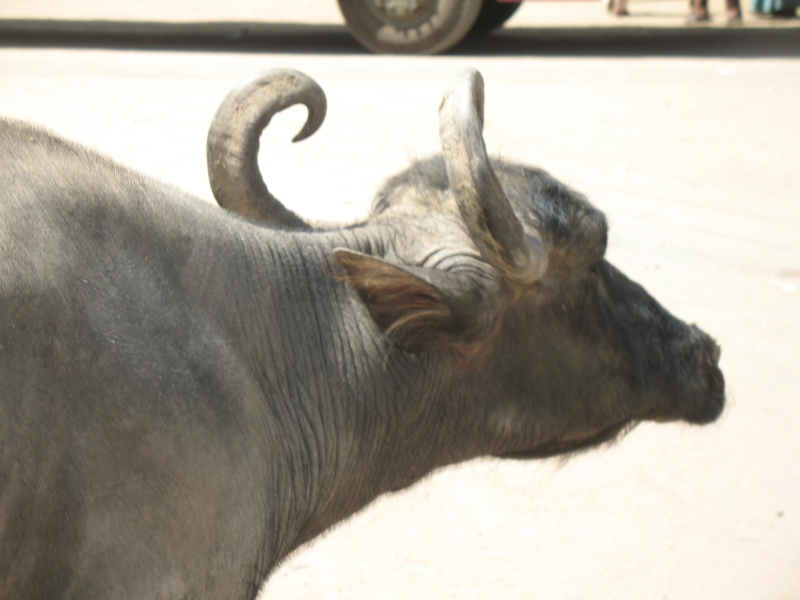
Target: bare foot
point(698, 17)
point(734, 17)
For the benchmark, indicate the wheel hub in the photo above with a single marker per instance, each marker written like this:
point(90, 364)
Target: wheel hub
point(404, 13)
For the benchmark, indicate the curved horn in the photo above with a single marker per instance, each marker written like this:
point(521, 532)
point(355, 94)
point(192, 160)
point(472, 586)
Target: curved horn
point(232, 148)
point(483, 205)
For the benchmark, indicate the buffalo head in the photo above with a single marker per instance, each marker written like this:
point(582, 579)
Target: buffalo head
point(501, 268)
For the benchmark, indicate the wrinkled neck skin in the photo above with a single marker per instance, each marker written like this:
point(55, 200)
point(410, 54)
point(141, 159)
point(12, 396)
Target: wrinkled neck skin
point(348, 415)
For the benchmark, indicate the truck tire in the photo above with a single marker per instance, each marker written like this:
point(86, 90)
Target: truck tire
point(410, 26)
point(492, 16)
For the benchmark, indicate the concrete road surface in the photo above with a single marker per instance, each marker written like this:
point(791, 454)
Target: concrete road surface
point(692, 151)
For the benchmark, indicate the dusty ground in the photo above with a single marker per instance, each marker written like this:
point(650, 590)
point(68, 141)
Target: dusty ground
point(692, 150)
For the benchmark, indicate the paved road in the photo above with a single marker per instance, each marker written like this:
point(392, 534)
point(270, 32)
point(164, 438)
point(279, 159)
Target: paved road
point(692, 152)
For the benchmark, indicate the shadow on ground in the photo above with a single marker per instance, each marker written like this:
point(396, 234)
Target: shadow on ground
point(742, 42)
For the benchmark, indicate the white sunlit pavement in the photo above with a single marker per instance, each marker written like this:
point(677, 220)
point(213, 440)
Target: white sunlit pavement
point(694, 161)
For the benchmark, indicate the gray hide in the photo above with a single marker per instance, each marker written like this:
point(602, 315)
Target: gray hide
point(187, 395)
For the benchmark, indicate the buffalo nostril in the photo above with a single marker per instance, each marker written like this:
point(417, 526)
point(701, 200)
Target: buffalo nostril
point(716, 381)
point(708, 399)
point(716, 352)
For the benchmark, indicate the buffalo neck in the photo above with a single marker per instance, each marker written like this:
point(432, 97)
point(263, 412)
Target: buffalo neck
point(350, 415)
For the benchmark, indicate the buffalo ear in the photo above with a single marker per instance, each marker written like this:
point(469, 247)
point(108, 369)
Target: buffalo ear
point(419, 309)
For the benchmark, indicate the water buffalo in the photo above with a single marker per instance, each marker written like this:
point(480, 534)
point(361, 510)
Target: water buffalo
point(188, 393)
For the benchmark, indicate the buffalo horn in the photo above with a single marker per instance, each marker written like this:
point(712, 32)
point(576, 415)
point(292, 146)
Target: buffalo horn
point(487, 213)
point(233, 141)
